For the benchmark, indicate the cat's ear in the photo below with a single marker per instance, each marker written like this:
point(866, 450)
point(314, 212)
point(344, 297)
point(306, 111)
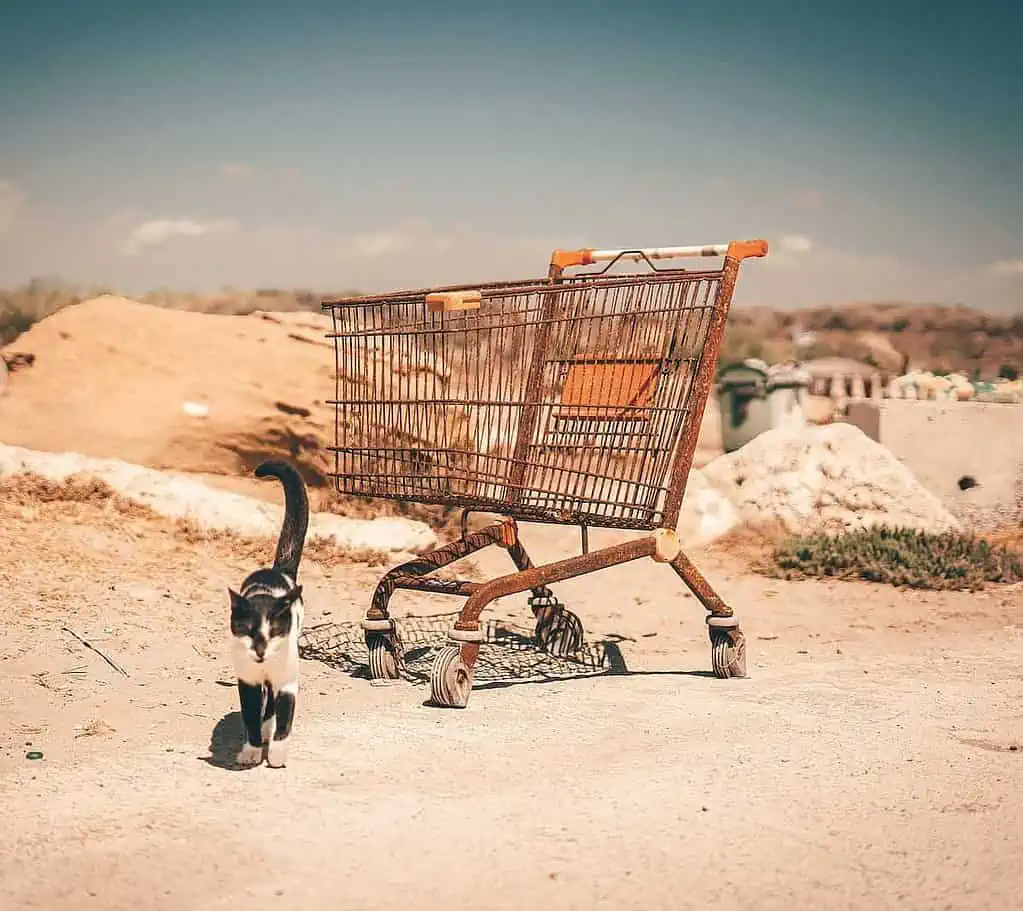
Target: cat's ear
point(237, 601)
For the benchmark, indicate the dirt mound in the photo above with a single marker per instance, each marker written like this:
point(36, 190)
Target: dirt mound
point(832, 476)
point(114, 378)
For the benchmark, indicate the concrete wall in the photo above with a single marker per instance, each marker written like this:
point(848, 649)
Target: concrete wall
point(943, 442)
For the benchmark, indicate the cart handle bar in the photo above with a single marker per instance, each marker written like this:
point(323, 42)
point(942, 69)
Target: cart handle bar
point(737, 249)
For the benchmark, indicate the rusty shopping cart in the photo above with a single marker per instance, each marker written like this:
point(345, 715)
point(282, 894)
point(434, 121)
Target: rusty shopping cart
point(574, 399)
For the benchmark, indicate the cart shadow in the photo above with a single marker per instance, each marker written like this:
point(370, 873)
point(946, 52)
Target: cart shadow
point(509, 657)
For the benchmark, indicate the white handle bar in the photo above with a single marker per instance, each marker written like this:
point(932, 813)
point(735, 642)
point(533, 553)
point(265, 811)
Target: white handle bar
point(737, 249)
point(601, 256)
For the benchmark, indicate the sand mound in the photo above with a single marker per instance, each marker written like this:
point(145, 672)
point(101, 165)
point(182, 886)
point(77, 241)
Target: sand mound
point(114, 378)
point(832, 476)
point(180, 497)
point(707, 513)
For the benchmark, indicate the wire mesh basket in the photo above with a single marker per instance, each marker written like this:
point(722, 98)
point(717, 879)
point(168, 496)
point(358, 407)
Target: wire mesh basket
point(565, 400)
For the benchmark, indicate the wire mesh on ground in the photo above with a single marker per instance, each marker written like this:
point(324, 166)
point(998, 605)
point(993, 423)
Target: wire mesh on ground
point(509, 653)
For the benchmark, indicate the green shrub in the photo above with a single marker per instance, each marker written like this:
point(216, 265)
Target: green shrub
point(898, 556)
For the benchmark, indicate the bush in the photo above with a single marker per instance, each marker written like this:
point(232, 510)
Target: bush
point(899, 556)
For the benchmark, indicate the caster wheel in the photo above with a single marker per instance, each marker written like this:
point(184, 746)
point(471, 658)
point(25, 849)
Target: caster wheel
point(450, 679)
point(728, 653)
point(559, 632)
point(383, 656)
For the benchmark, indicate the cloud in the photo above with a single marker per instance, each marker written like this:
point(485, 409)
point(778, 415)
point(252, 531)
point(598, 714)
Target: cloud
point(158, 231)
point(788, 251)
point(795, 243)
point(12, 200)
point(411, 235)
point(1006, 267)
point(236, 170)
point(377, 244)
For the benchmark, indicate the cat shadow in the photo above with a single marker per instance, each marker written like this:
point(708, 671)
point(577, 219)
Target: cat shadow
point(226, 740)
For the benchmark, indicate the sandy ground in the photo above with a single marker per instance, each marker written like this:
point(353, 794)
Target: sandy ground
point(871, 760)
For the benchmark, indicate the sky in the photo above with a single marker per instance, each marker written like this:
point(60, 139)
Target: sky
point(334, 145)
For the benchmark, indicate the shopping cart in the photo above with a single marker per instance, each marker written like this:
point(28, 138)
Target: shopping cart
point(575, 400)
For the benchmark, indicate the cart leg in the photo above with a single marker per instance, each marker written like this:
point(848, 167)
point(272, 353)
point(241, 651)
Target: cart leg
point(558, 631)
point(382, 639)
point(727, 641)
point(451, 676)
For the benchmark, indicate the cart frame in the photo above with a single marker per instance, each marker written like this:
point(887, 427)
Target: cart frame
point(601, 397)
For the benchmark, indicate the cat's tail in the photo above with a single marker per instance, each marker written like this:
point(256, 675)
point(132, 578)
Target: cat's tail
point(296, 514)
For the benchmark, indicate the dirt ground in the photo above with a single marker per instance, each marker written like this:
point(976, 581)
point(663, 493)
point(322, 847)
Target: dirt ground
point(871, 760)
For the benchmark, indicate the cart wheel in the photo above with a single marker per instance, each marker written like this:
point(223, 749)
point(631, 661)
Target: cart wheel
point(728, 653)
point(383, 660)
point(559, 632)
point(450, 679)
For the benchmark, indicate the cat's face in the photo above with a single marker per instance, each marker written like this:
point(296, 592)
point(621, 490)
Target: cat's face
point(263, 623)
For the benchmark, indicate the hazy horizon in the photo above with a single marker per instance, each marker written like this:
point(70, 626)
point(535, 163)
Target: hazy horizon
point(372, 146)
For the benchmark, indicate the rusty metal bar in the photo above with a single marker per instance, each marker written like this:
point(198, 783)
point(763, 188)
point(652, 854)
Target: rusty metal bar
point(502, 288)
point(531, 411)
point(522, 562)
point(699, 586)
point(551, 572)
point(699, 392)
point(400, 576)
point(435, 586)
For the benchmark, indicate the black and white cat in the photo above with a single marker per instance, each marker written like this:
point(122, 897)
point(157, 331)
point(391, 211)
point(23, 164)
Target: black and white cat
point(266, 622)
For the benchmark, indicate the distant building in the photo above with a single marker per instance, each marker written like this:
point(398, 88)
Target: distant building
point(823, 370)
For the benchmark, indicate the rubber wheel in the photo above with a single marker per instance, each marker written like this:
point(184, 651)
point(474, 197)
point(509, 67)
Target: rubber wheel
point(383, 662)
point(558, 632)
point(728, 659)
point(450, 679)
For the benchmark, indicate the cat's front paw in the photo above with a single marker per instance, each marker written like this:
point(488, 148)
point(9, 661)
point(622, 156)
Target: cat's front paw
point(268, 729)
point(277, 754)
point(249, 755)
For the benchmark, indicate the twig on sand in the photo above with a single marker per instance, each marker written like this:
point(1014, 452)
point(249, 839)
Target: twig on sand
point(89, 645)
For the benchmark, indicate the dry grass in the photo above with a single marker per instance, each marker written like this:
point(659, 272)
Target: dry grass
point(753, 543)
point(29, 491)
point(96, 727)
point(59, 682)
point(1010, 537)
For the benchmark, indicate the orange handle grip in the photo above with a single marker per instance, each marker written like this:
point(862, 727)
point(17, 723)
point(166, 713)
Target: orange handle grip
point(448, 301)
